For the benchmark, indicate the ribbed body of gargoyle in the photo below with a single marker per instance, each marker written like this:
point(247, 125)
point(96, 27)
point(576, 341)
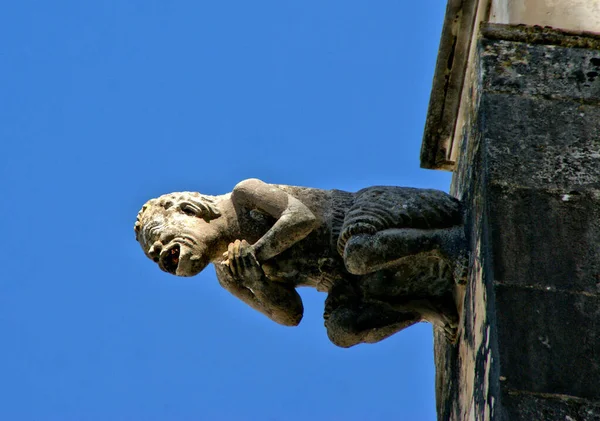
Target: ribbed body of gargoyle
point(387, 257)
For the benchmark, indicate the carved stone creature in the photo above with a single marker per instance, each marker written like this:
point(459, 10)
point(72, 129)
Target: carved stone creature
point(386, 256)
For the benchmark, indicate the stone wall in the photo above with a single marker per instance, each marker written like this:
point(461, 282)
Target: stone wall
point(529, 172)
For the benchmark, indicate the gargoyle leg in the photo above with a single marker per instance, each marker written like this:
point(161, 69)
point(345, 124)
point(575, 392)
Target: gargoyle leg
point(366, 253)
point(368, 323)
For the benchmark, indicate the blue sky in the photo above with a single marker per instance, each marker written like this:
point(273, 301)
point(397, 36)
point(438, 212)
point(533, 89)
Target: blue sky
point(106, 104)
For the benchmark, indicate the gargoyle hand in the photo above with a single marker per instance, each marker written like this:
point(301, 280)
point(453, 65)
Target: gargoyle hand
point(242, 264)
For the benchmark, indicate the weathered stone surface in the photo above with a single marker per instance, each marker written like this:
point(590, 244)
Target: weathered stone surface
point(388, 257)
point(535, 142)
point(532, 69)
point(455, 77)
point(460, 23)
point(519, 406)
point(547, 341)
point(528, 174)
point(549, 238)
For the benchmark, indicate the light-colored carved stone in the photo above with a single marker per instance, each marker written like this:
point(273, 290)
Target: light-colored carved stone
point(386, 256)
point(575, 15)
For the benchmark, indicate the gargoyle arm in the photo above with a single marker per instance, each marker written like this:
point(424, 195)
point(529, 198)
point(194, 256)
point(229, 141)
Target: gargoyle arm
point(279, 302)
point(294, 219)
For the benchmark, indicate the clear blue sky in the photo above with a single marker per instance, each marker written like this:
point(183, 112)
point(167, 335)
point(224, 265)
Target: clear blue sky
point(105, 104)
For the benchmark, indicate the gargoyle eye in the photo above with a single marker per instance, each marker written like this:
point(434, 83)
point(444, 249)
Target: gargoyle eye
point(190, 209)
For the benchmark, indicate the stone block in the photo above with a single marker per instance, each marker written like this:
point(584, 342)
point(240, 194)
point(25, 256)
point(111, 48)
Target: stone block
point(541, 70)
point(548, 341)
point(546, 239)
point(525, 407)
point(535, 142)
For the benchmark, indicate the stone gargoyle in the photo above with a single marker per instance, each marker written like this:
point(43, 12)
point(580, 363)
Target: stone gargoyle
point(388, 257)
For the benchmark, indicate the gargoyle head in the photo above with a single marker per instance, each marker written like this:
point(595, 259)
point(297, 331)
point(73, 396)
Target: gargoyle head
point(176, 232)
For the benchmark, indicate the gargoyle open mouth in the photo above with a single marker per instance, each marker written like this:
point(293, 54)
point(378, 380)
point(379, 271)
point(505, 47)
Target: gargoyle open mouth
point(171, 259)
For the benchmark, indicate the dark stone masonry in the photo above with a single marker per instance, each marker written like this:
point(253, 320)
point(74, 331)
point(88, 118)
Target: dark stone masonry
point(528, 172)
